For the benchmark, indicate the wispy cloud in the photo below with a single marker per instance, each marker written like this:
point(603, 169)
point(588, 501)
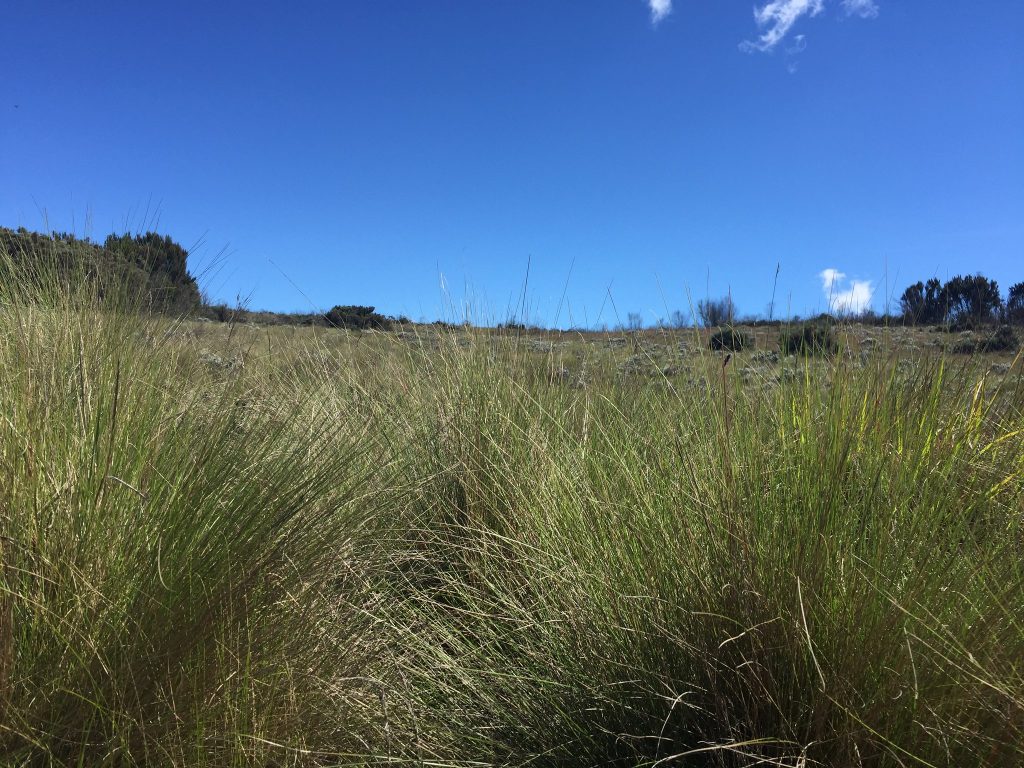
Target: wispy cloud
point(866, 9)
point(845, 297)
point(777, 17)
point(799, 45)
point(793, 52)
point(659, 9)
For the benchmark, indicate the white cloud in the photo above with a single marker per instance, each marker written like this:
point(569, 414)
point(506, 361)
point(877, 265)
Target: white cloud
point(866, 9)
point(777, 17)
point(659, 9)
point(853, 299)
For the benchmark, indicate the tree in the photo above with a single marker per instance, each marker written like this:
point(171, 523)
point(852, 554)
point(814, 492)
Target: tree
point(1015, 305)
point(972, 300)
point(634, 321)
point(912, 303)
point(715, 312)
point(923, 303)
point(678, 320)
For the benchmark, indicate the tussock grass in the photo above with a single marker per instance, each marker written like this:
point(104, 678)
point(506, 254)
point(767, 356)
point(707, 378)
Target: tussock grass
point(349, 548)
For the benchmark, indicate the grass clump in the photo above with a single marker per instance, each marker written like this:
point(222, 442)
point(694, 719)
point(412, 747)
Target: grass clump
point(776, 591)
point(184, 573)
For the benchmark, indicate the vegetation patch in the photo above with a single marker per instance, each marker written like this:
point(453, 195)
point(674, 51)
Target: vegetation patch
point(1003, 339)
point(434, 548)
point(357, 318)
point(730, 339)
point(147, 271)
point(808, 339)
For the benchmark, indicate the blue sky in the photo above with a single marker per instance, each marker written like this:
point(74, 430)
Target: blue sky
point(417, 155)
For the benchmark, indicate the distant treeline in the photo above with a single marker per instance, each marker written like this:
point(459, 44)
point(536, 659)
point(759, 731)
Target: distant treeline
point(150, 271)
point(355, 317)
point(147, 271)
point(962, 302)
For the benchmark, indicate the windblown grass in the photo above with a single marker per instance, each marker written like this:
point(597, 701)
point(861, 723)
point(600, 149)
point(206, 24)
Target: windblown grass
point(327, 548)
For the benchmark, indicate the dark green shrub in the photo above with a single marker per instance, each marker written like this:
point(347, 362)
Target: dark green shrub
point(1002, 340)
point(811, 339)
point(966, 347)
point(728, 339)
point(356, 317)
point(149, 271)
point(220, 313)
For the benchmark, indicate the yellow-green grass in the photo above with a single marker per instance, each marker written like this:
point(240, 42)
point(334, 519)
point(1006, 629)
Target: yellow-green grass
point(225, 545)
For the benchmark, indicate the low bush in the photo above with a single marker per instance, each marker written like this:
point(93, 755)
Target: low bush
point(1004, 339)
point(730, 339)
point(356, 317)
point(808, 340)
